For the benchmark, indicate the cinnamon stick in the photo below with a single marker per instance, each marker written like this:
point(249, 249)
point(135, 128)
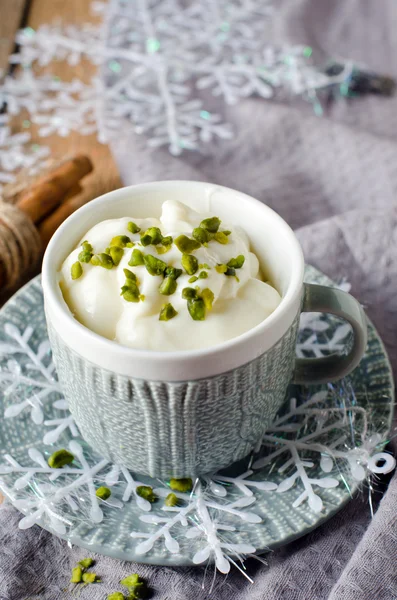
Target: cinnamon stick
point(49, 191)
point(49, 225)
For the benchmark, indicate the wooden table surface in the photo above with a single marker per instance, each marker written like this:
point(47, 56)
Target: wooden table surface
point(33, 13)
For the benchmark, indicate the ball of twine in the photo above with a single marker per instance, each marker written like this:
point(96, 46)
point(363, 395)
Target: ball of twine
point(20, 244)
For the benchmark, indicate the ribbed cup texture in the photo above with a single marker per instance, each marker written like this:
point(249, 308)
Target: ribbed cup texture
point(179, 429)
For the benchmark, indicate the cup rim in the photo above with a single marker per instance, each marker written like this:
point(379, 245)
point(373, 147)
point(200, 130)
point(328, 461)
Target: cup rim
point(61, 317)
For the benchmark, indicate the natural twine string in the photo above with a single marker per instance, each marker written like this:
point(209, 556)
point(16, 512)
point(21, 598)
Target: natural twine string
point(20, 244)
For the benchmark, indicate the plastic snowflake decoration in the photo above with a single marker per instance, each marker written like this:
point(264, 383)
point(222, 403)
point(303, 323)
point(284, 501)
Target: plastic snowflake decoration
point(156, 57)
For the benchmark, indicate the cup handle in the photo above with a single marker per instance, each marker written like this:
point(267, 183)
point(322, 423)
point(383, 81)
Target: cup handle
point(319, 298)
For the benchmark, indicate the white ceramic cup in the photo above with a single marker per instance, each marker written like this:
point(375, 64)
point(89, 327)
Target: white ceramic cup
point(190, 412)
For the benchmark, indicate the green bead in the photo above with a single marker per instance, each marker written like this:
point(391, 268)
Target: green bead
point(189, 263)
point(103, 493)
point(116, 253)
point(120, 241)
point(146, 492)
point(86, 563)
point(133, 227)
point(76, 270)
point(129, 274)
point(201, 235)
point(168, 286)
point(102, 260)
point(181, 485)
point(221, 238)
point(196, 308)
point(236, 263)
point(171, 500)
point(173, 272)
point(154, 265)
point(208, 297)
point(136, 258)
point(189, 293)
point(77, 575)
point(167, 312)
point(203, 275)
point(84, 256)
point(60, 458)
point(212, 224)
point(186, 245)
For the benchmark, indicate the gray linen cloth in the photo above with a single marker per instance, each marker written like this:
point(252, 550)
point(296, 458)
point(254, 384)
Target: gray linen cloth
point(335, 181)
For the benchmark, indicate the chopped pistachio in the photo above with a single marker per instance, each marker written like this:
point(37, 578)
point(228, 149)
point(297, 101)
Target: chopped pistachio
point(173, 272)
point(116, 596)
point(102, 260)
point(137, 587)
point(221, 268)
point(189, 263)
point(130, 245)
point(181, 485)
point(154, 265)
point(201, 235)
point(129, 274)
point(193, 279)
point(120, 241)
point(230, 272)
point(136, 258)
point(131, 580)
point(167, 240)
point(162, 249)
point(203, 275)
point(86, 563)
point(171, 500)
point(168, 286)
point(196, 308)
point(152, 235)
point(146, 240)
point(221, 238)
point(208, 296)
point(146, 492)
point(90, 578)
point(77, 575)
point(167, 312)
point(133, 227)
point(60, 458)
point(130, 291)
point(84, 257)
point(103, 493)
point(185, 244)
point(226, 231)
point(189, 293)
point(87, 246)
point(211, 224)
point(116, 252)
point(142, 297)
point(76, 270)
point(236, 263)
point(204, 266)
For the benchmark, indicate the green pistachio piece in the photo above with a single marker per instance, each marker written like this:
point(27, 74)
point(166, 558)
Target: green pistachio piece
point(154, 265)
point(130, 291)
point(76, 270)
point(185, 244)
point(133, 227)
point(189, 293)
point(116, 596)
point(90, 578)
point(146, 492)
point(204, 266)
point(131, 580)
point(77, 575)
point(136, 258)
point(201, 235)
point(196, 308)
point(137, 587)
point(60, 458)
point(230, 272)
point(103, 493)
point(162, 249)
point(86, 253)
point(129, 274)
point(208, 297)
point(221, 238)
point(211, 224)
point(120, 241)
point(203, 275)
point(146, 239)
point(142, 297)
point(167, 312)
point(181, 485)
point(87, 247)
point(152, 235)
point(173, 272)
point(236, 263)
point(116, 252)
point(102, 260)
point(226, 231)
point(171, 500)
point(193, 279)
point(221, 268)
point(86, 563)
point(167, 240)
point(168, 286)
point(189, 263)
